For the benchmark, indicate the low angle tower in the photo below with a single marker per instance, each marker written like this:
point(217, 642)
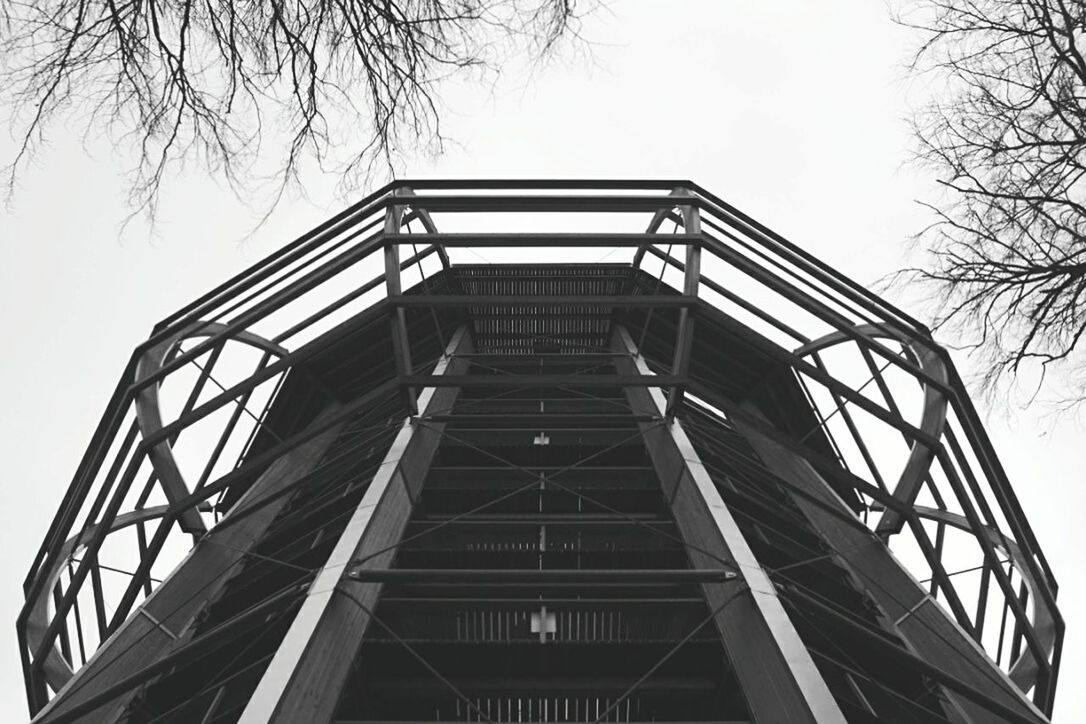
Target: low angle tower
point(540, 451)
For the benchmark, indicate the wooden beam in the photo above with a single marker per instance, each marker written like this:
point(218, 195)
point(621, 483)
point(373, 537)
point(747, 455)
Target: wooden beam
point(507, 381)
point(540, 577)
point(549, 240)
point(145, 639)
point(548, 300)
point(317, 653)
point(684, 338)
point(564, 203)
point(931, 634)
point(776, 672)
point(401, 343)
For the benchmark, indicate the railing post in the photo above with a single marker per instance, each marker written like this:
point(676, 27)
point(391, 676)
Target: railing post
point(401, 345)
point(317, 653)
point(680, 365)
point(755, 629)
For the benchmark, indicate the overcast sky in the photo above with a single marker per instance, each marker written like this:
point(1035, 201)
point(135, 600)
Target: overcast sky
point(792, 111)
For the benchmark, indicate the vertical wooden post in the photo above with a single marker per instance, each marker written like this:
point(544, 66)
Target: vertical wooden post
point(401, 345)
point(684, 338)
point(317, 653)
point(925, 626)
point(779, 678)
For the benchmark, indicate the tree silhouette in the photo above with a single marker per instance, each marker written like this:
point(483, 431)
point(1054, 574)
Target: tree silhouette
point(1006, 136)
point(346, 84)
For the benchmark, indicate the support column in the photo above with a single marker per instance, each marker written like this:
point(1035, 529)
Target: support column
point(401, 343)
point(158, 627)
point(922, 623)
point(779, 679)
point(315, 657)
point(684, 339)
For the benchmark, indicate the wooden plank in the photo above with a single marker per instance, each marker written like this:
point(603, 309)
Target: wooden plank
point(144, 639)
point(779, 679)
point(401, 343)
point(541, 577)
point(539, 300)
point(317, 653)
point(684, 338)
point(926, 627)
point(506, 381)
point(560, 239)
point(565, 203)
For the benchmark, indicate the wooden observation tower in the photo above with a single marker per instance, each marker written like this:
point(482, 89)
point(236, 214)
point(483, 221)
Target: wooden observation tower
point(540, 452)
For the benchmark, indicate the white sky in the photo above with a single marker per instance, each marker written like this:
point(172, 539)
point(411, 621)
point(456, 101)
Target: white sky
point(792, 111)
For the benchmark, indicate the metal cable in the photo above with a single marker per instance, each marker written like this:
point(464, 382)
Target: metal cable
point(416, 655)
point(671, 652)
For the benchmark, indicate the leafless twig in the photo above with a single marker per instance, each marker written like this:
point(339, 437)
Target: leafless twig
point(350, 85)
point(1006, 136)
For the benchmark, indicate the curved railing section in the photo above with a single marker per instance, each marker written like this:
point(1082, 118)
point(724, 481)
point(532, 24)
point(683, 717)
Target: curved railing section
point(192, 398)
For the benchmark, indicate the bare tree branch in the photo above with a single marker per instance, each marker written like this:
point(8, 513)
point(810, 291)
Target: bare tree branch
point(350, 85)
point(1006, 137)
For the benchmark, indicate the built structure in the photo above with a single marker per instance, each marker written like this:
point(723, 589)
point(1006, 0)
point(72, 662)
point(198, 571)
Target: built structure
point(554, 451)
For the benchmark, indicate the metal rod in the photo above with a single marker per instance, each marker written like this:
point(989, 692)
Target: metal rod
point(549, 240)
point(547, 577)
point(933, 671)
point(530, 381)
point(543, 300)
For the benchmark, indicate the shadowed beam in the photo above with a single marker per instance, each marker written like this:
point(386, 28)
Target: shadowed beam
point(775, 670)
point(317, 653)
